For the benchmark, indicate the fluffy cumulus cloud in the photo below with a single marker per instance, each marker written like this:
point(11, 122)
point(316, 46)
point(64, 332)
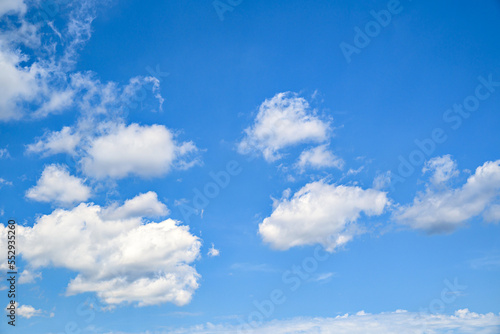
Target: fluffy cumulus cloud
point(320, 213)
point(444, 209)
point(25, 311)
point(442, 169)
point(146, 205)
point(58, 186)
point(461, 322)
point(111, 149)
point(28, 311)
point(134, 150)
point(283, 121)
point(319, 157)
point(117, 253)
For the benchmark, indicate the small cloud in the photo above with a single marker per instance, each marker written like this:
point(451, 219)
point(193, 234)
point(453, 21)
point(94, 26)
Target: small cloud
point(283, 121)
point(317, 158)
point(212, 252)
point(381, 181)
point(4, 153)
point(355, 171)
point(323, 277)
point(179, 202)
point(4, 182)
point(442, 169)
point(29, 277)
point(25, 311)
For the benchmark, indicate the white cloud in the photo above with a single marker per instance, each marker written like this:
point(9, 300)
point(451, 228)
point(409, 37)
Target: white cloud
point(101, 128)
point(320, 213)
point(352, 171)
point(49, 84)
point(127, 260)
point(56, 102)
point(442, 169)
point(58, 186)
point(34, 82)
point(16, 83)
point(444, 210)
point(212, 252)
point(12, 6)
point(143, 205)
point(324, 277)
point(461, 322)
point(26, 311)
point(283, 121)
point(4, 153)
point(28, 276)
point(319, 157)
point(4, 182)
point(381, 181)
point(145, 151)
point(64, 141)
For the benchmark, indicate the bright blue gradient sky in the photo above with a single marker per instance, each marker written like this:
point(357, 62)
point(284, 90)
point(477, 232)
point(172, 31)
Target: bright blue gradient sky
point(158, 96)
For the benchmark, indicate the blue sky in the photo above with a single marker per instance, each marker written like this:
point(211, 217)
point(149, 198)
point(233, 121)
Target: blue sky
point(251, 166)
